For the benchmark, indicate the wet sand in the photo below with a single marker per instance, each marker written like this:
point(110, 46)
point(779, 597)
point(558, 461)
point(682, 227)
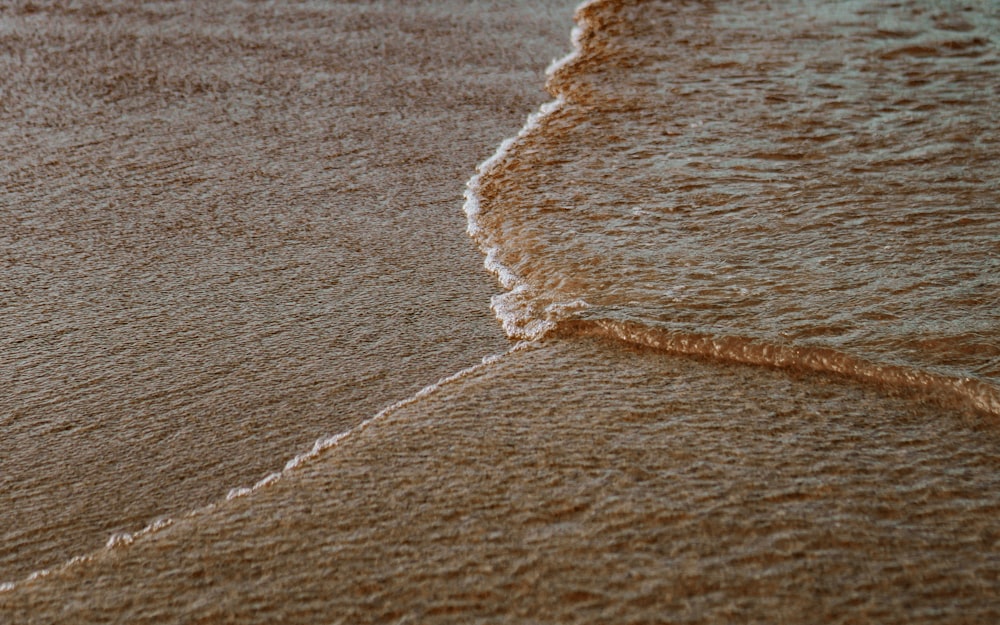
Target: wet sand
point(229, 229)
point(233, 229)
point(625, 499)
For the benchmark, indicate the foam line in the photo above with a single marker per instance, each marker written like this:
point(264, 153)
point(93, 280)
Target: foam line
point(966, 394)
point(528, 331)
point(120, 540)
point(512, 309)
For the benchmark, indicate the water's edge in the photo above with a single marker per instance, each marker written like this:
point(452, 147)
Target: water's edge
point(964, 394)
point(121, 540)
point(526, 314)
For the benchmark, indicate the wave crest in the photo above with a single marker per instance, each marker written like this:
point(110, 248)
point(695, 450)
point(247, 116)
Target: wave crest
point(965, 393)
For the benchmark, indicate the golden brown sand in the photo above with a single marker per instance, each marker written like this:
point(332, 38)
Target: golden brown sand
point(228, 229)
point(231, 229)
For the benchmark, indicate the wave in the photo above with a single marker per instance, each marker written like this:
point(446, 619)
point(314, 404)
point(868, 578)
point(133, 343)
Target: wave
point(966, 394)
point(528, 312)
point(517, 309)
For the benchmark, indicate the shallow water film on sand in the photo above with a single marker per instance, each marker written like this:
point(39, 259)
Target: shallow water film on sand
point(742, 364)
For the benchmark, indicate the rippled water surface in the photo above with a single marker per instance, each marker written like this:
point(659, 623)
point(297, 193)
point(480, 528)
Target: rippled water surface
point(750, 254)
point(801, 174)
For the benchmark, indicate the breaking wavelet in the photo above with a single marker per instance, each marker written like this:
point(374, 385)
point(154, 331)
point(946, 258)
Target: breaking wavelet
point(809, 187)
point(513, 309)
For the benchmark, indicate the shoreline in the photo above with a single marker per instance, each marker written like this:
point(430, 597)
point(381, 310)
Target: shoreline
point(232, 232)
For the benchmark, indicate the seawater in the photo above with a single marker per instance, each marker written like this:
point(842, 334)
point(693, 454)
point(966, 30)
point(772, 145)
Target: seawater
point(750, 253)
point(808, 185)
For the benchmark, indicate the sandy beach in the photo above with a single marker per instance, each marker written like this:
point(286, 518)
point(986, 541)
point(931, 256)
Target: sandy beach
point(249, 364)
point(228, 230)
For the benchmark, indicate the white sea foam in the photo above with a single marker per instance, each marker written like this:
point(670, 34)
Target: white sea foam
point(329, 442)
point(513, 309)
point(513, 315)
point(119, 539)
point(237, 492)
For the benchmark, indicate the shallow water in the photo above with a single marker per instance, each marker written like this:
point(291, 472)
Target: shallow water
point(578, 481)
point(754, 250)
point(816, 180)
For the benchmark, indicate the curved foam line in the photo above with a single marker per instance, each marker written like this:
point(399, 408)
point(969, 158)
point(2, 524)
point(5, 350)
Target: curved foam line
point(514, 320)
point(507, 278)
point(965, 393)
point(124, 539)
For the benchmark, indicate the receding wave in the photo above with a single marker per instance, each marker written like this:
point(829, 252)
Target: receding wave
point(119, 540)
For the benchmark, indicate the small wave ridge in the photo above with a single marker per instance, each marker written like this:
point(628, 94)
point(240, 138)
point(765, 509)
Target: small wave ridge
point(967, 394)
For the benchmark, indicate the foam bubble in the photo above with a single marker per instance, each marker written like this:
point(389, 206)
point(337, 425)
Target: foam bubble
point(238, 492)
